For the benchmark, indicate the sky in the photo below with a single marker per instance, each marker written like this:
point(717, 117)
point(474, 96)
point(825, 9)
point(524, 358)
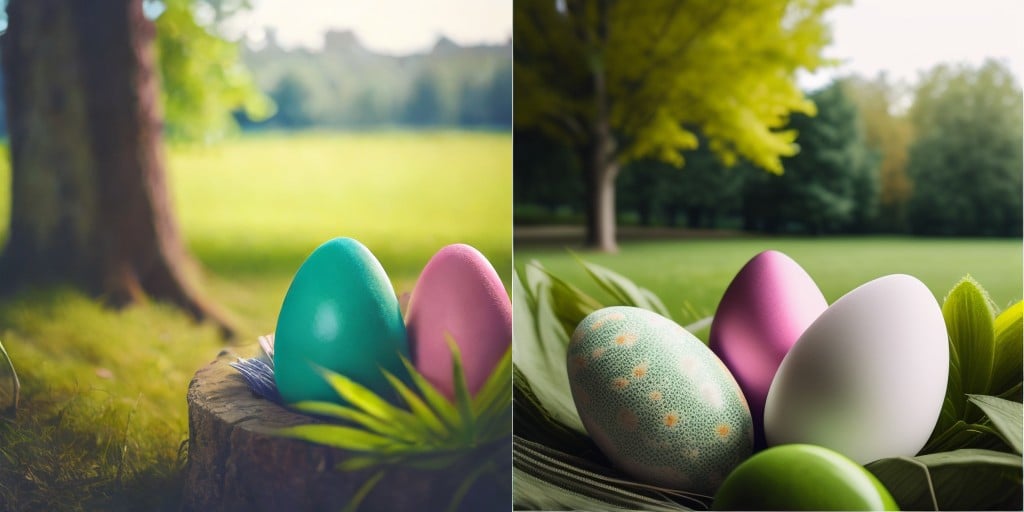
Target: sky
point(901, 37)
point(906, 37)
point(396, 27)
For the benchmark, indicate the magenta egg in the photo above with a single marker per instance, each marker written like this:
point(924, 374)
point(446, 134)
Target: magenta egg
point(458, 294)
point(765, 309)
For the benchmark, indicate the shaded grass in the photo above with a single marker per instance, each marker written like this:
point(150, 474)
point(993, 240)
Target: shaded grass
point(103, 414)
point(690, 276)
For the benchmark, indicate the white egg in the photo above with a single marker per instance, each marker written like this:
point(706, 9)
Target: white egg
point(868, 377)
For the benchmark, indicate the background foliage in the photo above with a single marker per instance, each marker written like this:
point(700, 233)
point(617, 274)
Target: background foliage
point(948, 164)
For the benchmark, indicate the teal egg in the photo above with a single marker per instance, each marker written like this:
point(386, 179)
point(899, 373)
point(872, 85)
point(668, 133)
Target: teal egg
point(657, 402)
point(340, 313)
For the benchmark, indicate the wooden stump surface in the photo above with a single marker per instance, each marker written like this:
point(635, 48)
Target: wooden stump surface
point(236, 463)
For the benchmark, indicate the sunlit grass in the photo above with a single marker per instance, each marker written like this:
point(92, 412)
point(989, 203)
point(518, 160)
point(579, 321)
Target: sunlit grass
point(690, 276)
point(103, 413)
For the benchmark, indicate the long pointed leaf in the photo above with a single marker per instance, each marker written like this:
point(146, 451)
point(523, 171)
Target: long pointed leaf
point(539, 345)
point(462, 400)
point(569, 303)
point(364, 399)
point(624, 291)
point(385, 428)
point(445, 410)
point(497, 389)
point(417, 406)
point(346, 438)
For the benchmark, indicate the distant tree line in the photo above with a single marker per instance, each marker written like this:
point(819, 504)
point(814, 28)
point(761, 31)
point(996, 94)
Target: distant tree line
point(950, 164)
point(345, 85)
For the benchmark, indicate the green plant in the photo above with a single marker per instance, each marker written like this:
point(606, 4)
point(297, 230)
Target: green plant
point(972, 462)
point(430, 433)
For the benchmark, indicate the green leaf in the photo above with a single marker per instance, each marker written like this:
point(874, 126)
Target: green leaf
point(368, 401)
point(492, 404)
point(539, 344)
point(570, 304)
point(444, 409)
point(969, 316)
point(386, 428)
point(964, 435)
point(1006, 416)
point(346, 438)
point(416, 405)
point(463, 402)
point(955, 403)
point(496, 392)
point(623, 290)
point(968, 479)
point(1009, 340)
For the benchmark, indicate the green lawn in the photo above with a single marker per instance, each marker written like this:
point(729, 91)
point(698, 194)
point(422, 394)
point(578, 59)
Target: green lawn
point(691, 275)
point(103, 413)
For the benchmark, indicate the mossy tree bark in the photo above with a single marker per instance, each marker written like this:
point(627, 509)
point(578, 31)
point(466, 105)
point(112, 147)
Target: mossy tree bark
point(89, 201)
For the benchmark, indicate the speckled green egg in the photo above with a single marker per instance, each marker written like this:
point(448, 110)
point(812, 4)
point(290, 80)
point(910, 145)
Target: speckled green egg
point(660, 405)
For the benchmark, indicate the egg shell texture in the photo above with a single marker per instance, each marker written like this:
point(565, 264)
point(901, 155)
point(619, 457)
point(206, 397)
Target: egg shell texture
point(866, 379)
point(658, 403)
point(459, 294)
point(340, 313)
point(766, 307)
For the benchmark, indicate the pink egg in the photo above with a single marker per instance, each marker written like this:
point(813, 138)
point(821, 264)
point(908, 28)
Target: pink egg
point(765, 309)
point(459, 294)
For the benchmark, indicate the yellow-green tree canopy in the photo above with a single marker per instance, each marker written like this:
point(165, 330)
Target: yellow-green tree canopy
point(669, 67)
point(203, 79)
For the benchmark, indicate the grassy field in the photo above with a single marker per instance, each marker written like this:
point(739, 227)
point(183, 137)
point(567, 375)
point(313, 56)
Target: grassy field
point(103, 413)
point(691, 275)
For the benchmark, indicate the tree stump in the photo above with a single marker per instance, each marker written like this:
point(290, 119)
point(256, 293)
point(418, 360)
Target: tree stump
point(235, 462)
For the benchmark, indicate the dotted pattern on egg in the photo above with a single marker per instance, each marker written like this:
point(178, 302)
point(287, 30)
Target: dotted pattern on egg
point(657, 401)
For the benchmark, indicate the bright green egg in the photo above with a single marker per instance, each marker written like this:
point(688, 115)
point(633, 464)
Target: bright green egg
point(802, 477)
point(340, 313)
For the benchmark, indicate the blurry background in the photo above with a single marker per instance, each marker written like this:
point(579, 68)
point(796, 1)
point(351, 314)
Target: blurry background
point(283, 124)
point(908, 161)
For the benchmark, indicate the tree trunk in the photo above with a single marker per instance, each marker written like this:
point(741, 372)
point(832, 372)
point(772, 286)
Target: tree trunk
point(601, 169)
point(89, 199)
point(601, 204)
